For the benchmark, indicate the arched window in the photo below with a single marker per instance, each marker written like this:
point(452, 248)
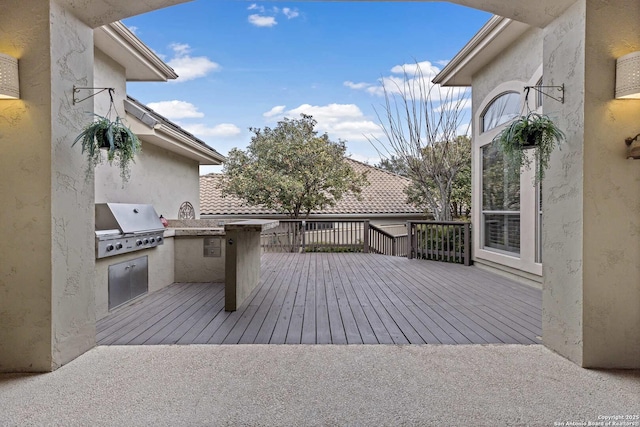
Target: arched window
point(504, 108)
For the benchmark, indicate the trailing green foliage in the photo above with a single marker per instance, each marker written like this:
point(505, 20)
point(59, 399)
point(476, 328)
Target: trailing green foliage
point(292, 169)
point(120, 142)
point(536, 131)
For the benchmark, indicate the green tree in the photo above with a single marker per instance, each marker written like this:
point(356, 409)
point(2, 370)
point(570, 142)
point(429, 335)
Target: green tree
point(291, 168)
point(417, 194)
point(393, 164)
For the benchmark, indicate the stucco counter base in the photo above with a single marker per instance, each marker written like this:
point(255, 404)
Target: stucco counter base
point(242, 259)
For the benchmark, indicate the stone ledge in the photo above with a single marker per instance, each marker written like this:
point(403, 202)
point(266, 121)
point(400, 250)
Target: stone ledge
point(252, 225)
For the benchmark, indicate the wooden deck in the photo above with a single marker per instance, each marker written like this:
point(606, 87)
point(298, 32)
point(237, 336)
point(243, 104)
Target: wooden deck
point(338, 299)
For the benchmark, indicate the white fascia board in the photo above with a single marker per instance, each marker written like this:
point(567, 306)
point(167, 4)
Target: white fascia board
point(139, 61)
point(490, 41)
point(166, 137)
point(205, 154)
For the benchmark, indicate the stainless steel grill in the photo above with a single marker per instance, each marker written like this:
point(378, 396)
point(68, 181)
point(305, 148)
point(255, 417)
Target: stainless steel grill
point(126, 227)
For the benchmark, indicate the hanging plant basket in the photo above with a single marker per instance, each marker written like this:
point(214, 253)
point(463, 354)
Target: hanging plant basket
point(120, 143)
point(533, 131)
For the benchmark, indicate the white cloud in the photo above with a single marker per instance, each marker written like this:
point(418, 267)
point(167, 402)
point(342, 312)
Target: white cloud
point(256, 7)
point(290, 13)
point(180, 49)
point(176, 110)
point(412, 80)
point(133, 29)
point(188, 67)
point(222, 130)
point(365, 159)
point(464, 129)
point(262, 21)
point(340, 121)
point(356, 86)
point(443, 62)
point(275, 111)
point(426, 68)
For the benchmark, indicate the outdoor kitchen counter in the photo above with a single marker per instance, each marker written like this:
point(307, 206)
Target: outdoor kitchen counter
point(199, 250)
point(193, 231)
point(242, 259)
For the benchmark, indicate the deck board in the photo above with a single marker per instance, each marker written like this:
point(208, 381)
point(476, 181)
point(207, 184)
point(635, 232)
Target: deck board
point(338, 298)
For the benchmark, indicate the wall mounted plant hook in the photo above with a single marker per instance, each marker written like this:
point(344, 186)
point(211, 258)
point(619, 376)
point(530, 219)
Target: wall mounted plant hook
point(540, 88)
point(77, 89)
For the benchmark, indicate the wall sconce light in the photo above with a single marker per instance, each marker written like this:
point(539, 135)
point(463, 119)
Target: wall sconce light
point(633, 147)
point(628, 76)
point(9, 83)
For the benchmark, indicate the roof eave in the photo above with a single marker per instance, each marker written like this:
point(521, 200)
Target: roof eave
point(139, 61)
point(489, 41)
point(160, 132)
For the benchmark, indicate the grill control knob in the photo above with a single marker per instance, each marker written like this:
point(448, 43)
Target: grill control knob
point(159, 239)
point(109, 248)
point(138, 242)
point(153, 240)
point(118, 246)
point(145, 241)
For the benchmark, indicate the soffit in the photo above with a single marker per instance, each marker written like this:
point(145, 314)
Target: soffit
point(538, 13)
point(95, 13)
point(492, 39)
point(139, 61)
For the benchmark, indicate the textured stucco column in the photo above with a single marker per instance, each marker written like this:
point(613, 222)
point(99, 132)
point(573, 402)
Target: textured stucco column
point(242, 259)
point(591, 256)
point(46, 271)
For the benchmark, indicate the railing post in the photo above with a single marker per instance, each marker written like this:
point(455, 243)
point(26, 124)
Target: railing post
point(409, 240)
point(304, 236)
point(467, 245)
point(393, 246)
point(366, 237)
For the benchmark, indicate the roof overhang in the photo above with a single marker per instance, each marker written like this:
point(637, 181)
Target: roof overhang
point(495, 36)
point(154, 129)
point(95, 13)
point(139, 61)
point(538, 13)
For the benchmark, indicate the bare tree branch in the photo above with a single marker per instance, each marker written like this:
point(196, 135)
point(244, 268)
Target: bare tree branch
point(421, 126)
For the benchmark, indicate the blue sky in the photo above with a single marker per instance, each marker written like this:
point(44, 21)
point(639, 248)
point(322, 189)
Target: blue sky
point(250, 63)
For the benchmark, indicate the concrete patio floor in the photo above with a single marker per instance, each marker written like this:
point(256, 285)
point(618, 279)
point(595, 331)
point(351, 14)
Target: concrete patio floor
point(271, 385)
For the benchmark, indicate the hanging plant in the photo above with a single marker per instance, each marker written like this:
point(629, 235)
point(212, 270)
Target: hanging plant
point(533, 131)
point(120, 142)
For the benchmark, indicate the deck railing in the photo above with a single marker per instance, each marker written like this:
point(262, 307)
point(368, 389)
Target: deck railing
point(383, 242)
point(439, 241)
point(293, 235)
point(317, 236)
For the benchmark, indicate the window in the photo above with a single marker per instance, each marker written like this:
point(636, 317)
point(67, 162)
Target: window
point(539, 94)
point(539, 223)
point(502, 109)
point(500, 202)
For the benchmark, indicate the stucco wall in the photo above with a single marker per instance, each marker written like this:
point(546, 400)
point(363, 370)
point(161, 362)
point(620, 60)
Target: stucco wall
point(46, 289)
point(192, 266)
point(159, 177)
point(592, 279)
point(518, 62)
point(612, 252)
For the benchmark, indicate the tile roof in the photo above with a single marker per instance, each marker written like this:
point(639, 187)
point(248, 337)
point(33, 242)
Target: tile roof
point(383, 195)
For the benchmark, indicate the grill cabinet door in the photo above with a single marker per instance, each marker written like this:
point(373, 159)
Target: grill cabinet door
point(128, 280)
